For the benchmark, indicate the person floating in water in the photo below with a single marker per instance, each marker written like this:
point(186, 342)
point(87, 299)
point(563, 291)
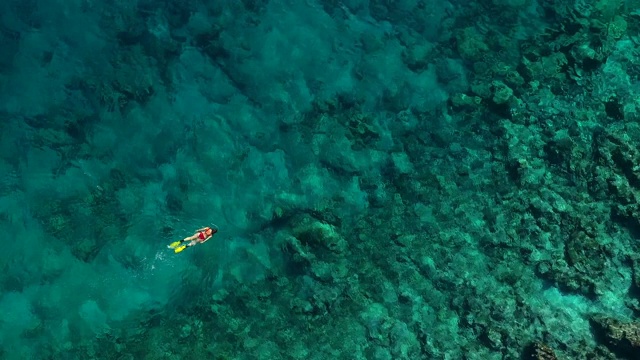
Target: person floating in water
point(200, 236)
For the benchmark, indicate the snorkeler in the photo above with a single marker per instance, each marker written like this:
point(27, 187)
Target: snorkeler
point(200, 236)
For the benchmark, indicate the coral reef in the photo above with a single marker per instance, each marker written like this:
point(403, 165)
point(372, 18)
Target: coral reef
point(391, 180)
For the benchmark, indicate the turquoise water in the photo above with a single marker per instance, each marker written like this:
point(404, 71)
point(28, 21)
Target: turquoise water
point(391, 180)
